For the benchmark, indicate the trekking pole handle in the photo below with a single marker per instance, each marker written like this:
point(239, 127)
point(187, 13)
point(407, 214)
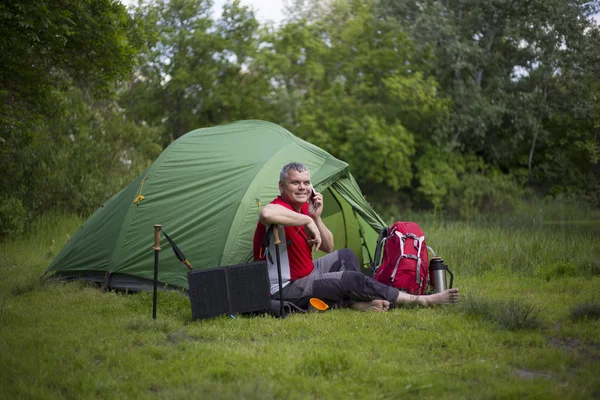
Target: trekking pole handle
point(157, 237)
point(276, 242)
point(276, 234)
point(156, 248)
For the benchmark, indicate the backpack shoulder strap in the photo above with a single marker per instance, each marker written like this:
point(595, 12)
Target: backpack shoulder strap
point(264, 247)
point(376, 262)
point(267, 237)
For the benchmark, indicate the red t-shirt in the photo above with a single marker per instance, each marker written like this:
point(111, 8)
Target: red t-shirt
point(294, 247)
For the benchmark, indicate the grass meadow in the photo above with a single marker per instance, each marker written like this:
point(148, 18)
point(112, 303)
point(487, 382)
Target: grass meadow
point(527, 326)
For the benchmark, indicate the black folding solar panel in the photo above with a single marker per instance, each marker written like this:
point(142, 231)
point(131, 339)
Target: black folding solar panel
point(232, 289)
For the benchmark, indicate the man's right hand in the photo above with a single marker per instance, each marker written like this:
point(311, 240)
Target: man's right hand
point(313, 235)
point(276, 214)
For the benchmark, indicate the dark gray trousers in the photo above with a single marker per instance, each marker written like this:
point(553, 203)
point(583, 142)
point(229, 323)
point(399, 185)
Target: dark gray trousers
point(337, 280)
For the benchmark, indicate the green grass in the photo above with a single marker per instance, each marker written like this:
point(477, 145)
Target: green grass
point(527, 327)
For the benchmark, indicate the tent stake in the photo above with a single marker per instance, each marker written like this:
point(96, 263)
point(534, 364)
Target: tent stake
point(276, 241)
point(156, 248)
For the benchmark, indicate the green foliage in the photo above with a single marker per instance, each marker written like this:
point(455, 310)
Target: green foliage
point(12, 217)
point(352, 84)
point(85, 155)
point(102, 153)
point(438, 173)
point(463, 107)
point(63, 143)
point(193, 71)
point(522, 80)
point(421, 106)
point(333, 79)
point(42, 43)
point(484, 191)
point(465, 186)
point(381, 152)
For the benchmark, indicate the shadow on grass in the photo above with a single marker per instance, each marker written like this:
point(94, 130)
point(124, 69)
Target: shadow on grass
point(585, 311)
point(328, 365)
point(143, 324)
point(512, 314)
point(27, 286)
point(3, 305)
point(571, 268)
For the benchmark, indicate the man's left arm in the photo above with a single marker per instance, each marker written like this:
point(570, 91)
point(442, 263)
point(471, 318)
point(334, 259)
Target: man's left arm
point(326, 236)
point(315, 208)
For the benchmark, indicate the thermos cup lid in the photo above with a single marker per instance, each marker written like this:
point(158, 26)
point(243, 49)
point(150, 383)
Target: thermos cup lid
point(437, 263)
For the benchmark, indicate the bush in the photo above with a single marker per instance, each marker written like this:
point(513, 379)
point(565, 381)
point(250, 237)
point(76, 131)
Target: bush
point(484, 191)
point(586, 311)
point(512, 314)
point(516, 314)
point(79, 159)
point(561, 269)
point(437, 174)
point(13, 217)
point(464, 185)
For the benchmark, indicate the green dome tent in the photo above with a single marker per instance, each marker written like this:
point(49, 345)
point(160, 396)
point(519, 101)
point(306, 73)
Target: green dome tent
point(206, 190)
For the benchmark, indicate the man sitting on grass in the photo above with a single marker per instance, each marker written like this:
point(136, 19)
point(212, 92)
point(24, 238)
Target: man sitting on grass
point(335, 278)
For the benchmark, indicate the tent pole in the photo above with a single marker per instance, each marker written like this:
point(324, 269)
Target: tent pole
point(276, 241)
point(156, 248)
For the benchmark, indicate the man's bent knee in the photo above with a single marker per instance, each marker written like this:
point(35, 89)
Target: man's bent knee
point(349, 260)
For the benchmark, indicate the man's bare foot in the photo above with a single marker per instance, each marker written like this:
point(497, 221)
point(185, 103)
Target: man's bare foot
point(448, 296)
point(373, 305)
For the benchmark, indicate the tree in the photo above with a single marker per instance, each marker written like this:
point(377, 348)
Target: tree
point(510, 69)
point(348, 82)
point(45, 42)
point(194, 71)
point(59, 57)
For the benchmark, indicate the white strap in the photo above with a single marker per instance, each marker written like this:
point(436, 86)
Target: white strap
point(418, 243)
point(418, 277)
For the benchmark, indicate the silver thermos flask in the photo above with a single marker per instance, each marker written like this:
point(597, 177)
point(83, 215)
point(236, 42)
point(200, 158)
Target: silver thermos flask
point(437, 275)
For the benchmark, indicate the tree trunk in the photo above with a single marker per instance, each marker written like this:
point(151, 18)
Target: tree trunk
point(457, 75)
point(535, 136)
point(488, 48)
point(177, 121)
point(529, 164)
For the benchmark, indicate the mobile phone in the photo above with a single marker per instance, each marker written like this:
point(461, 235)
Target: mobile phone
point(313, 194)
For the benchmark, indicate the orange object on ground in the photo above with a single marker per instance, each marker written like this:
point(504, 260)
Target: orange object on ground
point(318, 304)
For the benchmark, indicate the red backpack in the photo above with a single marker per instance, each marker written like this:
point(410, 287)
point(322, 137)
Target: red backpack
point(405, 263)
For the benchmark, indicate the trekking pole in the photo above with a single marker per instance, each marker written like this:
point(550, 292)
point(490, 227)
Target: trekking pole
point(276, 241)
point(156, 248)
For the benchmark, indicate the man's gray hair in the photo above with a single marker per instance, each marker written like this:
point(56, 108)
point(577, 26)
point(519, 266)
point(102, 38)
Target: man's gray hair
point(293, 166)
